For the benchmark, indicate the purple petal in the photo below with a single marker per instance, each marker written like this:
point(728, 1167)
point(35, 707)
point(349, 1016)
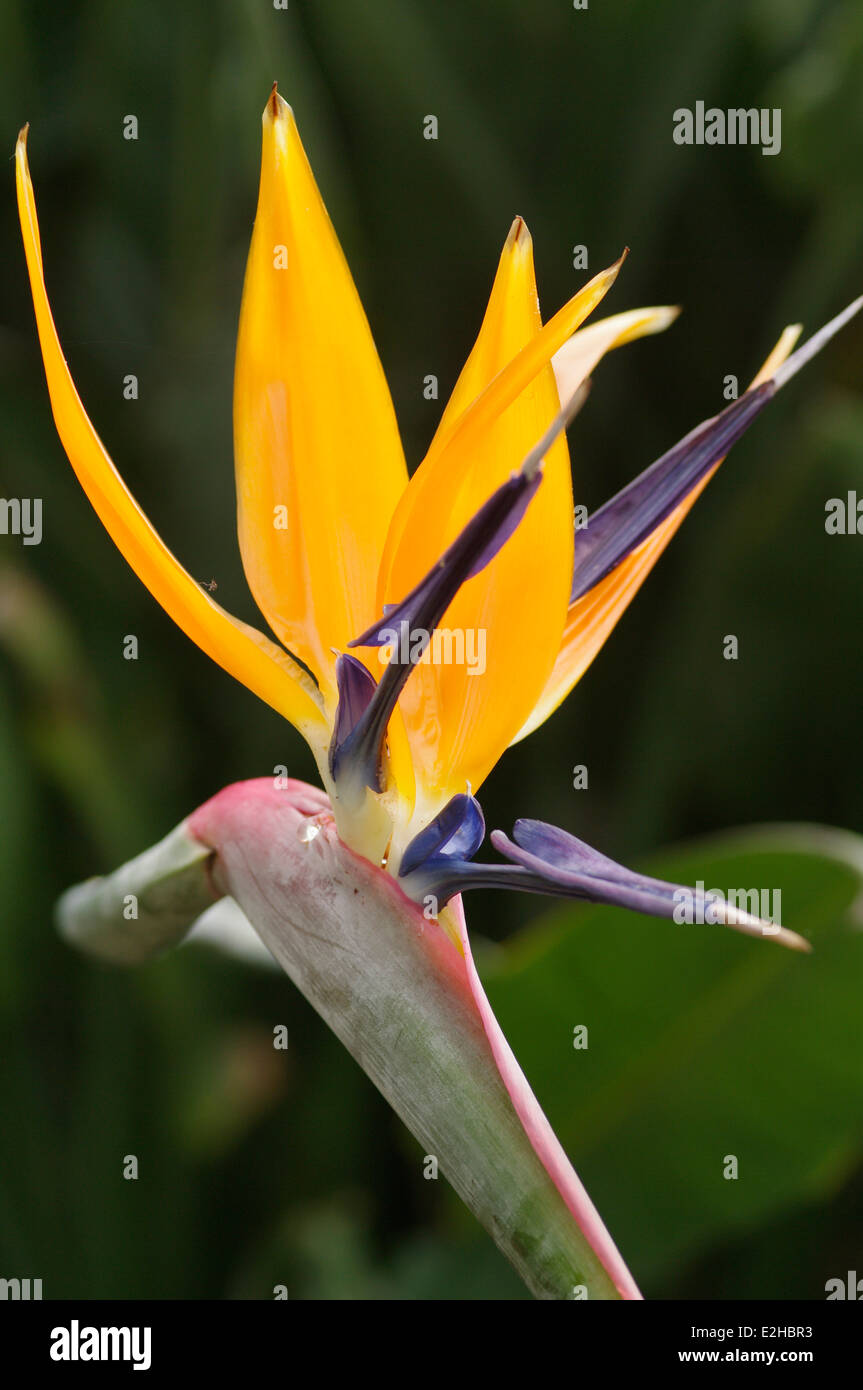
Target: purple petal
point(623, 523)
point(560, 850)
point(557, 847)
point(615, 530)
point(418, 615)
point(571, 868)
point(562, 859)
point(475, 547)
point(356, 686)
point(455, 833)
point(357, 759)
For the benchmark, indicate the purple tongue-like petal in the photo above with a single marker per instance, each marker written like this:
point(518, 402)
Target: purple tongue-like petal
point(475, 547)
point(557, 862)
point(421, 611)
point(545, 859)
point(419, 614)
point(455, 833)
point(356, 686)
point(560, 849)
point(563, 860)
point(514, 516)
point(615, 530)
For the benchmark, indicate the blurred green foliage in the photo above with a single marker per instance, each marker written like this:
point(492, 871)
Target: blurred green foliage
point(710, 1090)
point(255, 1171)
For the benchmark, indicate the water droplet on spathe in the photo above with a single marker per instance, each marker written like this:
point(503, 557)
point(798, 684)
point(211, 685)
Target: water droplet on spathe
point(308, 831)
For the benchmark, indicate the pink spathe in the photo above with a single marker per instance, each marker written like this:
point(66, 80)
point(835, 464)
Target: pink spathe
point(403, 998)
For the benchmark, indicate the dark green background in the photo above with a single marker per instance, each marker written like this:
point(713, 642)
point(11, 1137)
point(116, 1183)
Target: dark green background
point(259, 1169)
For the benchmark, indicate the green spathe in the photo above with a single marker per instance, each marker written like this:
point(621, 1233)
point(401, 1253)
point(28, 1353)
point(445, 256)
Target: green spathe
point(396, 991)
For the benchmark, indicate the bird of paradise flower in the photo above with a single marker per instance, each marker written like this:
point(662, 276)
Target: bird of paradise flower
point(355, 567)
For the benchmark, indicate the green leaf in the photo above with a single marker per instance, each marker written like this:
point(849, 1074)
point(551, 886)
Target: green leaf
point(701, 1045)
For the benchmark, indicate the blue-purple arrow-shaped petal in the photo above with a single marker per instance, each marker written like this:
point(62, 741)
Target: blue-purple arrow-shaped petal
point(622, 523)
point(545, 859)
point(356, 755)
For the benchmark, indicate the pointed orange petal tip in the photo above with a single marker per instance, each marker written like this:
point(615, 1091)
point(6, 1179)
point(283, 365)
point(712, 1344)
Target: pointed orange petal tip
point(276, 108)
point(607, 277)
point(21, 142)
point(518, 235)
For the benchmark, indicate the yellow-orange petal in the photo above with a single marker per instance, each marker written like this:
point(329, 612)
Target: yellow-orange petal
point(591, 618)
point(319, 463)
point(511, 319)
point(462, 707)
point(462, 430)
point(242, 651)
point(574, 362)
